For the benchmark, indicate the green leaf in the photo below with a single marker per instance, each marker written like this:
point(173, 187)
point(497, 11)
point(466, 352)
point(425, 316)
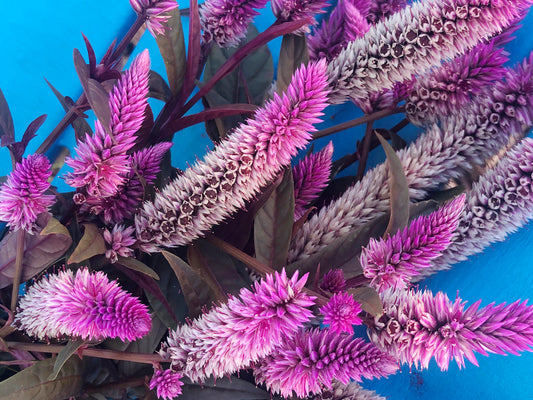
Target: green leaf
point(172, 48)
point(91, 244)
point(369, 300)
point(33, 384)
point(292, 55)
point(136, 265)
point(273, 224)
point(64, 355)
point(7, 130)
point(399, 190)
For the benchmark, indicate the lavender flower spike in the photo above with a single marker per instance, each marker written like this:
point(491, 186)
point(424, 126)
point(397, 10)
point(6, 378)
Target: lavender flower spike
point(237, 169)
point(152, 11)
point(236, 334)
point(416, 38)
point(294, 10)
point(391, 262)
point(85, 305)
point(22, 196)
point(417, 326)
point(311, 175)
point(351, 391)
point(167, 383)
point(311, 360)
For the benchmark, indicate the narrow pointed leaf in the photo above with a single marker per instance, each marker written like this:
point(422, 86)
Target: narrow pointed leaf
point(70, 349)
point(193, 52)
point(7, 130)
point(158, 88)
point(91, 244)
point(99, 101)
point(136, 265)
point(292, 55)
point(82, 69)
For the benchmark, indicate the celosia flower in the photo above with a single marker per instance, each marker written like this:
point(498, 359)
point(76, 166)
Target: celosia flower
point(167, 383)
point(118, 242)
point(382, 9)
point(85, 305)
point(440, 154)
point(333, 281)
point(238, 168)
point(295, 10)
point(22, 196)
point(414, 39)
point(391, 262)
point(153, 11)
point(340, 313)
point(351, 391)
point(417, 326)
point(310, 361)
point(311, 175)
point(234, 335)
point(226, 21)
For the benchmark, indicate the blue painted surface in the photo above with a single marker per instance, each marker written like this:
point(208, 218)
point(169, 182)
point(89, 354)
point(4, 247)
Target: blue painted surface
point(37, 41)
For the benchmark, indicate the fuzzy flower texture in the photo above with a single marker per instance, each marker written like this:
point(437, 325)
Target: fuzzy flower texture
point(85, 305)
point(154, 12)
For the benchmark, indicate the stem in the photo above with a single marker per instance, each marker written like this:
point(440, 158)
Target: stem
point(363, 157)
point(144, 358)
point(357, 281)
point(358, 121)
point(141, 19)
point(400, 125)
point(18, 268)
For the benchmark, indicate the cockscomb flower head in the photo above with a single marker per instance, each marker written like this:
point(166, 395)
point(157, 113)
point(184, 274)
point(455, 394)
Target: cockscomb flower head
point(85, 305)
point(391, 262)
point(294, 10)
point(167, 383)
point(118, 242)
point(333, 281)
point(310, 361)
point(153, 11)
point(311, 175)
point(341, 312)
point(236, 334)
point(22, 196)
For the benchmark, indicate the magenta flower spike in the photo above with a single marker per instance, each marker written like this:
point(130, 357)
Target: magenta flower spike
point(417, 326)
point(415, 39)
point(238, 168)
point(167, 383)
point(22, 196)
point(333, 281)
point(118, 242)
point(392, 262)
point(341, 312)
point(154, 13)
point(226, 21)
point(294, 10)
point(85, 305)
point(234, 335)
point(311, 176)
point(310, 361)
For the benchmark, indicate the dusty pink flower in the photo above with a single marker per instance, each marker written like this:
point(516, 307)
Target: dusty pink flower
point(238, 168)
point(153, 11)
point(236, 334)
point(340, 313)
point(333, 281)
point(22, 196)
point(311, 175)
point(417, 326)
point(310, 361)
point(392, 262)
point(294, 10)
point(118, 242)
point(85, 305)
point(167, 383)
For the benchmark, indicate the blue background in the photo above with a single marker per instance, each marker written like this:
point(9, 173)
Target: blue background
point(37, 40)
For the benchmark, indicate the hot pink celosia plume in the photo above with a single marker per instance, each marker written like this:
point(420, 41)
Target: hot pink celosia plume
point(236, 334)
point(153, 12)
point(341, 312)
point(85, 305)
point(167, 383)
point(22, 196)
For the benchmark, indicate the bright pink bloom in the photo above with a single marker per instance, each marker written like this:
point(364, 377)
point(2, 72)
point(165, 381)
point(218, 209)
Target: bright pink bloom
point(152, 11)
point(238, 168)
point(167, 383)
point(333, 281)
point(294, 10)
point(417, 326)
point(22, 196)
point(310, 361)
point(119, 241)
point(236, 334)
point(85, 305)
point(341, 313)
point(391, 262)
point(311, 175)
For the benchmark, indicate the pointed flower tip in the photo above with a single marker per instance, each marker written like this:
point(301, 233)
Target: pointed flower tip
point(341, 312)
point(167, 383)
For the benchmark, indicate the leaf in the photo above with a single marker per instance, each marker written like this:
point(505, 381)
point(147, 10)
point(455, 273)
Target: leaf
point(273, 224)
point(99, 101)
point(18, 148)
point(33, 384)
point(64, 355)
point(91, 244)
point(158, 88)
point(194, 52)
point(399, 190)
point(40, 251)
point(223, 389)
point(82, 69)
point(172, 48)
point(136, 265)
point(292, 55)
point(369, 300)
point(7, 130)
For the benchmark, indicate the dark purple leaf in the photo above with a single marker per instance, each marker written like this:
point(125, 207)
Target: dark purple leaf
point(99, 101)
point(136, 265)
point(194, 52)
point(227, 388)
point(91, 244)
point(64, 355)
point(158, 88)
point(18, 148)
point(82, 69)
point(369, 300)
point(7, 130)
point(91, 55)
point(292, 55)
point(212, 113)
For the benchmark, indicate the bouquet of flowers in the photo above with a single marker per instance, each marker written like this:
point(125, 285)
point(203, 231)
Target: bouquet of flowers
point(248, 270)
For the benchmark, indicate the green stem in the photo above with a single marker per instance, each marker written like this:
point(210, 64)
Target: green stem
point(18, 268)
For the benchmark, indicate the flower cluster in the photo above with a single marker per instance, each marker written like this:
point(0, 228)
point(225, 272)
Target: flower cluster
point(294, 10)
point(153, 11)
point(167, 383)
point(119, 240)
point(341, 312)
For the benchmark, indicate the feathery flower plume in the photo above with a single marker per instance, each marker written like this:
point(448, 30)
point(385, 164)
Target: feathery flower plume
point(236, 170)
point(391, 262)
point(351, 391)
point(167, 383)
point(294, 10)
point(311, 175)
point(414, 39)
point(333, 281)
point(85, 305)
point(310, 361)
point(417, 326)
point(381, 9)
point(119, 241)
point(236, 334)
point(226, 21)
point(440, 154)
point(22, 196)
point(340, 313)
point(153, 11)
